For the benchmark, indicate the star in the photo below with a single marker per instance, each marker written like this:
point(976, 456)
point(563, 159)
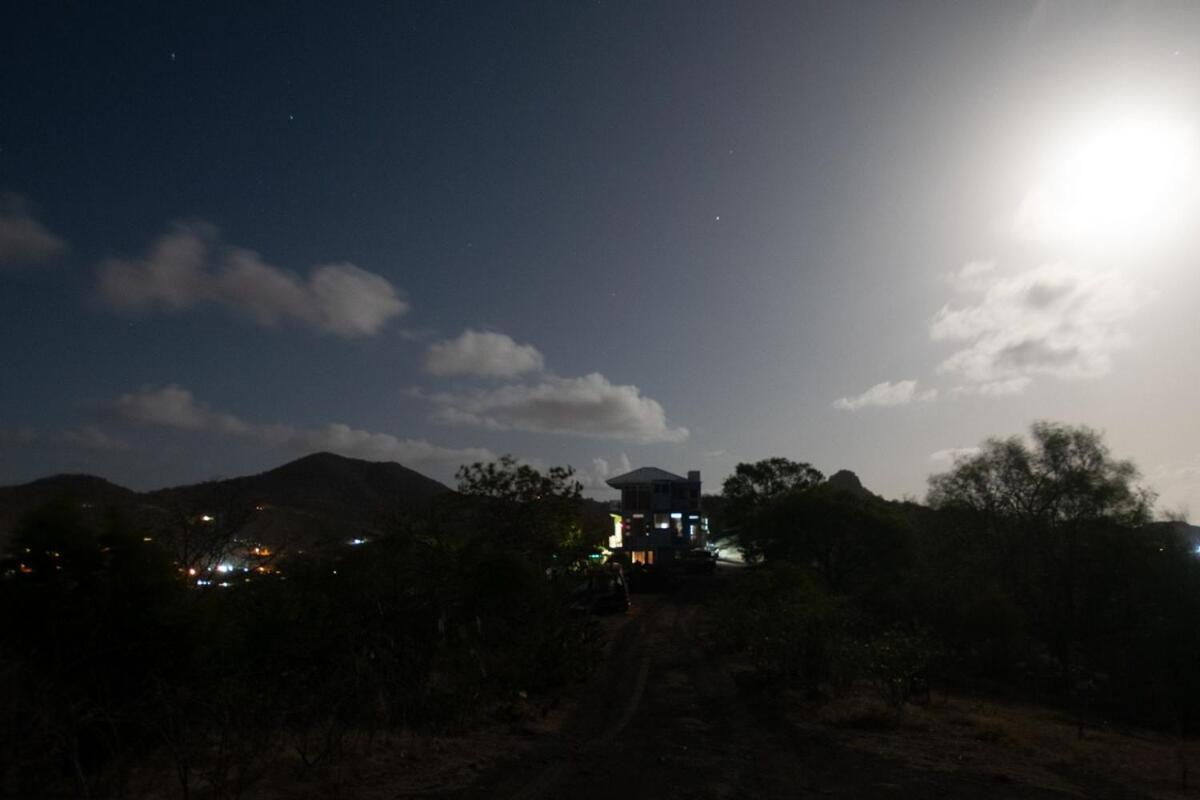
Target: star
point(291, 116)
point(718, 217)
point(172, 55)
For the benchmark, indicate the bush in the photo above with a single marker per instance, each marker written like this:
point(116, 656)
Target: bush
point(109, 661)
point(786, 624)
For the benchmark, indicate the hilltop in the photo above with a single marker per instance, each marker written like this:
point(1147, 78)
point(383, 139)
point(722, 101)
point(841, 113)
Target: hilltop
point(315, 497)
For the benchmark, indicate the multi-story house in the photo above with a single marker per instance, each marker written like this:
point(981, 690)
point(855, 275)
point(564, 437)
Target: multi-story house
point(661, 516)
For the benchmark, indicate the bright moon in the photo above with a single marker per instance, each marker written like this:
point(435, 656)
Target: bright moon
point(1115, 181)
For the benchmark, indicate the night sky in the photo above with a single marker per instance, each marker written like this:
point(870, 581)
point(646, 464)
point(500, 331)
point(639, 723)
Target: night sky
point(604, 234)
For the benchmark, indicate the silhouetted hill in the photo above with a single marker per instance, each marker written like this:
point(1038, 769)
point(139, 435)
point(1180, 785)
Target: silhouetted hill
point(319, 497)
point(1190, 533)
point(346, 489)
point(846, 481)
point(92, 494)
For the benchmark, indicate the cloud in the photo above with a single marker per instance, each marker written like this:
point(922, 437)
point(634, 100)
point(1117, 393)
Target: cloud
point(190, 266)
point(586, 406)
point(1178, 485)
point(972, 275)
point(1051, 320)
point(886, 394)
point(594, 477)
point(24, 240)
point(90, 437)
point(87, 437)
point(491, 355)
point(950, 455)
point(994, 388)
point(174, 407)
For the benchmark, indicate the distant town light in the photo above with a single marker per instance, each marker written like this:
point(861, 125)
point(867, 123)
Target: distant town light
point(358, 541)
point(224, 568)
point(206, 518)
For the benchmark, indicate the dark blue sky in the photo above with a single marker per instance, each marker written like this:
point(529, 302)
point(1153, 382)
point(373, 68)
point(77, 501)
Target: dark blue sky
point(686, 232)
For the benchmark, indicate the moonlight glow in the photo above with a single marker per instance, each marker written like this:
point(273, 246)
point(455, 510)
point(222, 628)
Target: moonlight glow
point(1114, 181)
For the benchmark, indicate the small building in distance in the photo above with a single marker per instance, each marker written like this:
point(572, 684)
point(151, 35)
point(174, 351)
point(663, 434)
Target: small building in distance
point(660, 516)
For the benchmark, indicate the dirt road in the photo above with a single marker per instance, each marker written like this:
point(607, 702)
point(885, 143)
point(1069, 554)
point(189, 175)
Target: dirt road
point(663, 719)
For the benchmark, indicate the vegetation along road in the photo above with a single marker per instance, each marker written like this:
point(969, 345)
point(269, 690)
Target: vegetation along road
point(665, 718)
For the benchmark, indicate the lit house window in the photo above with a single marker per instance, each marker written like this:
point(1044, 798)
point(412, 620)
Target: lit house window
point(662, 520)
point(641, 557)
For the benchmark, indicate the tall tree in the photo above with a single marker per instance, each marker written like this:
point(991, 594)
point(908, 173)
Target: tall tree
point(751, 484)
point(537, 513)
point(1047, 507)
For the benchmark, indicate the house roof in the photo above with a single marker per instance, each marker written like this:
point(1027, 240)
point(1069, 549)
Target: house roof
point(643, 475)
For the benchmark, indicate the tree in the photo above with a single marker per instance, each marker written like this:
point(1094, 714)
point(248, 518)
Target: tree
point(856, 545)
point(753, 484)
point(507, 480)
point(1066, 479)
point(537, 514)
point(1051, 509)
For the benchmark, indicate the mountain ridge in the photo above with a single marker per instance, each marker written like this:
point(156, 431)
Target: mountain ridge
point(323, 492)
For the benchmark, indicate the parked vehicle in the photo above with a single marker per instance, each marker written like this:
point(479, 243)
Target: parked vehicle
point(603, 590)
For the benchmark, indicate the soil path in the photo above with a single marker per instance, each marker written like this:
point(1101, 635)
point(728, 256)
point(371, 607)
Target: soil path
point(663, 720)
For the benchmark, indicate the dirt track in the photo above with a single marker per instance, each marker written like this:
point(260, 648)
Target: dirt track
point(662, 719)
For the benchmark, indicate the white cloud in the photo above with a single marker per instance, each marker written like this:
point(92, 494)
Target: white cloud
point(586, 406)
point(90, 437)
point(1000, 388)
point(86, 437)
point(952, 454)
point(972, 275)
point(1052, 320)
point(1178, 486)
point(24, 240)
point(190, 266)
point(175, 407)
point(340, 438)
point(481, 353)
point(594, 477)
point(886, 394)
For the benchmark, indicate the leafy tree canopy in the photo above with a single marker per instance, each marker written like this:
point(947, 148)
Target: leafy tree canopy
point(1064, 476)
point(507, 480)
point(539, 514)
point(751, 484)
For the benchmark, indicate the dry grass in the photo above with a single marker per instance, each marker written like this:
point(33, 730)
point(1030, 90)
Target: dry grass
point(1020, 743)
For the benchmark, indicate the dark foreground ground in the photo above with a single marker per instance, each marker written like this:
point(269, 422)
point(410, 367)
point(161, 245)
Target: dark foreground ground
point(664, 717)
